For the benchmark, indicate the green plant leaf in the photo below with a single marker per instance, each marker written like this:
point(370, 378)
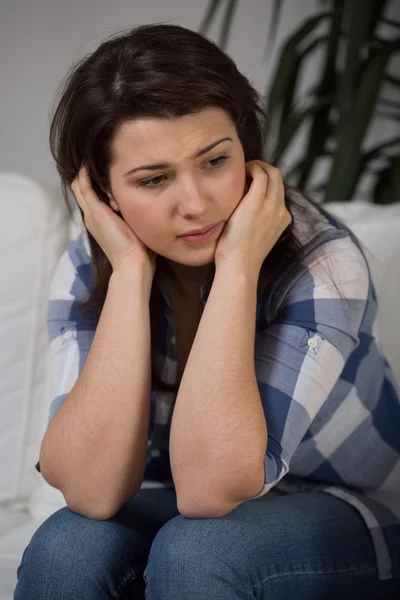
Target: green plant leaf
point(391, 22)
point(321, 128)
point(284, 82)
point(296, 169)
point(209, 16)
point(290, 127)
point(295, 120)
point(377, 150)
point(360, 31)
point(227, 24)
point(287, 60)
point(387, 114)
point(392, 80)
point(273, 27)
point(374, 153)
point(387, 187)
point(353, 126)
point(391, 103)
point(316, 142)
point(376, 15)
point(291, 89)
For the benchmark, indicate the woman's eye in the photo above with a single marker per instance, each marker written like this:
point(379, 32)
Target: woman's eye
point(147, 182)
point(154, 181)
point(219, 158)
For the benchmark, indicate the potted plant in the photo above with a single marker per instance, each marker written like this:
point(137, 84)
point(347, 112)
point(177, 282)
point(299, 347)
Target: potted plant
point(344, 99)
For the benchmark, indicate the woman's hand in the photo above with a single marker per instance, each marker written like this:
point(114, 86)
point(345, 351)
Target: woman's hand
point(118, 241)
point(258, 221)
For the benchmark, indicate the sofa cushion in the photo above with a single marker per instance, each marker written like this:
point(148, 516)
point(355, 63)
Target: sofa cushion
point(378, 228)
point(33, 235)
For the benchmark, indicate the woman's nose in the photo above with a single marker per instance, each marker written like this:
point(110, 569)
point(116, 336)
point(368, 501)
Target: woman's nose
point(192, 202)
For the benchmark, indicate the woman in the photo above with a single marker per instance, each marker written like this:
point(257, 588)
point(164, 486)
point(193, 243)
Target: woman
point(234, 365)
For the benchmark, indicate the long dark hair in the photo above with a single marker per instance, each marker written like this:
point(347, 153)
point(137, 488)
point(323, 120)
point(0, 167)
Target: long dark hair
point(156, 70)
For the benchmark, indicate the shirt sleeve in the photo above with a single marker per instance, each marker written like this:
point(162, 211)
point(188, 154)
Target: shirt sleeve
point(70, 330)
point(300, 355)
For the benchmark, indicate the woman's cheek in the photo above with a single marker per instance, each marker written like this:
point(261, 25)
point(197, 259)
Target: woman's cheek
point(238, 176)
point(238, 187)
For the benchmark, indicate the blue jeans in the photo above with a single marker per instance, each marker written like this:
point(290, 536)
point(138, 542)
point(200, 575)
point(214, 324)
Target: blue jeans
point(302, 546)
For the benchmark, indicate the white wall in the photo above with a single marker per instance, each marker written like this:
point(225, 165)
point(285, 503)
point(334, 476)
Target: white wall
point(39, 40)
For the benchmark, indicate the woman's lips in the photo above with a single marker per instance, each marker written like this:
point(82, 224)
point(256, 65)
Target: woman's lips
point(201, 237)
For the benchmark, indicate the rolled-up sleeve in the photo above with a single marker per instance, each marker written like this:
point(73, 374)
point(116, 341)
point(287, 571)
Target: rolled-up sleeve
point(70, 330)
point(300, 355)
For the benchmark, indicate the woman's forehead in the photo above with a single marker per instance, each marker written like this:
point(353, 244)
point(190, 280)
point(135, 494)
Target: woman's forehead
point(154, 137)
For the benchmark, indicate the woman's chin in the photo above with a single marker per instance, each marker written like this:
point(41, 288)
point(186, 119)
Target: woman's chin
point(197, 262)
point(199, 258)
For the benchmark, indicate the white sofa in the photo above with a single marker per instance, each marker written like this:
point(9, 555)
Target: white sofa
point(34, 230)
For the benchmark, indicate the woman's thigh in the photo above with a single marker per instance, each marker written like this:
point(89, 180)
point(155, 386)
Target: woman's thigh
point(72, 557)
point(309, 546)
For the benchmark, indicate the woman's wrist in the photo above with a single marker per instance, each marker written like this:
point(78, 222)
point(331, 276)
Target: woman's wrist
point(134, 275)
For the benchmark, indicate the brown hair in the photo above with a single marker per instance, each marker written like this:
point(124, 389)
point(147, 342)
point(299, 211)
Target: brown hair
point(156, 70)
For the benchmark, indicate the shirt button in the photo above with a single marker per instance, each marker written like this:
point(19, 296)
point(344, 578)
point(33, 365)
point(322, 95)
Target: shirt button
point(155, 453)
point(312, 342)
point(173, 340)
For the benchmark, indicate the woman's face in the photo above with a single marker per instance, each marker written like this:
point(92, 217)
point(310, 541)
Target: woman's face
point(186, 192)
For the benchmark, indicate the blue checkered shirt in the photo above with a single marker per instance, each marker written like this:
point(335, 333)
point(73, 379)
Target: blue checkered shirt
point(330, 399)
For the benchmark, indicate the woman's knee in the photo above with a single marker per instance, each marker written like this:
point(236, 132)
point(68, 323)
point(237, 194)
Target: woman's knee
point(193, 544)
point(189, 553)
point(282, 527)
point(65, 542)
point(69, 550)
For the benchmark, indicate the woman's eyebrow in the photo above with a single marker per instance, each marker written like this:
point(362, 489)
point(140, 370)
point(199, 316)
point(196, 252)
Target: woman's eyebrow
point(167, 165)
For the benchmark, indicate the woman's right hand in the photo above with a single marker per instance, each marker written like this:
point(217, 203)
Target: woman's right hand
point(118, 241)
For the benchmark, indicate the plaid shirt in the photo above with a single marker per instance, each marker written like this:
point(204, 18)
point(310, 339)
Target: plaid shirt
point(331, 403)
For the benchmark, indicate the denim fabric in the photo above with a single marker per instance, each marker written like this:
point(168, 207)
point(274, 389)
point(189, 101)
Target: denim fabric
point(303, 546)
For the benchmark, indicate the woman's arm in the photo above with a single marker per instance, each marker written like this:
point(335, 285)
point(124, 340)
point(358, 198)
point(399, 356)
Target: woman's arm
point(298, 359)
point(218, 434)
point(95, 448)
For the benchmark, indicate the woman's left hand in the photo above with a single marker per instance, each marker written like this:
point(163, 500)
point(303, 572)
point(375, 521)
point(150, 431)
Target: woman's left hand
point(257, 223)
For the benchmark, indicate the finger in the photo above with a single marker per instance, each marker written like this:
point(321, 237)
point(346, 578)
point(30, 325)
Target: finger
point(90, 196)
point(259, 178)
point(271, 171)
point(256, 166)
point(87, 192)
point(85, 184)
point(77, 193)
point(275, 189)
